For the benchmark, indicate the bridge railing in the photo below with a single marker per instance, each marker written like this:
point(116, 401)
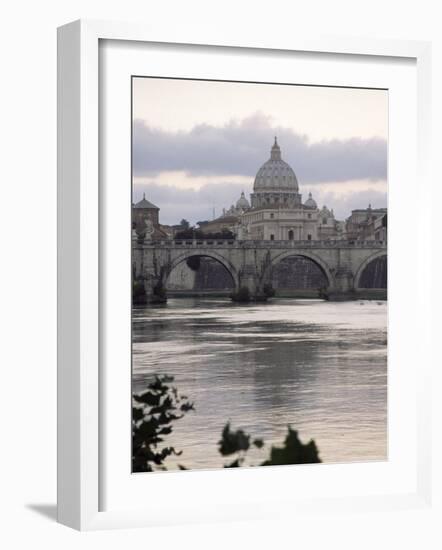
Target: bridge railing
point(229, 243)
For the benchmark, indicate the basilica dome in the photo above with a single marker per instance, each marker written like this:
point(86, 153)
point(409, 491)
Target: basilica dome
point(242, 202)
point(275, 174)
point(310, 202)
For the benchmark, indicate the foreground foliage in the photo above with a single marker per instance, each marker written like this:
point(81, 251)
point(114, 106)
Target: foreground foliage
point(155, 411)
point(193, 233)
point(152, 415)
point(293, 450)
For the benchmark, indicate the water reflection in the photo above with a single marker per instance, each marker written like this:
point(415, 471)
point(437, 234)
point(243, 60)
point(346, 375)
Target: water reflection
point(319, 366)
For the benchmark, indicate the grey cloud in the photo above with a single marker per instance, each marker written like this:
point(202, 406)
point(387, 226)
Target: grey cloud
point(240, 147)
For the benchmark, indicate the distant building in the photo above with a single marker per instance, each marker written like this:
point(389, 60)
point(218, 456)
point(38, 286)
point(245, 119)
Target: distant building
point(229, 218)
point(224, 223)
point(369, 224)
point(276, 210)
point(145, 221)
point(328, 227)
point(168, 230)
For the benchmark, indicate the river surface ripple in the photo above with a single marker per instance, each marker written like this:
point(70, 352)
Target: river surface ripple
point(319, 366)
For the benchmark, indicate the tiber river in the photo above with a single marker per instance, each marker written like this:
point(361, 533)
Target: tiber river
point(319, 366)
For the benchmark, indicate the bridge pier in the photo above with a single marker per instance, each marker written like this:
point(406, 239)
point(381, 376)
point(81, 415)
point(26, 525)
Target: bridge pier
point(248, 279)
point(343, 287)
point(149, 275)
point(147, 290)
point(255, 272)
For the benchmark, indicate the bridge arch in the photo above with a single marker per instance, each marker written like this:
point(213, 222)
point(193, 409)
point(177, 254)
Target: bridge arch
point(304, 254)
point(230, 268)
point(366, 263)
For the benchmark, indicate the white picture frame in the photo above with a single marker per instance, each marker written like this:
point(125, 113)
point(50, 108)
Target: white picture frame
point(80, 294)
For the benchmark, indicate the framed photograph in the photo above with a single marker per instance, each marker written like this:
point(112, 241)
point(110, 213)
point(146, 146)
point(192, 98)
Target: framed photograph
point(228, 215)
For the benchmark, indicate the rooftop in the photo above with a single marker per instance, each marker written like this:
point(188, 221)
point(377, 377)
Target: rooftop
point(144, 203)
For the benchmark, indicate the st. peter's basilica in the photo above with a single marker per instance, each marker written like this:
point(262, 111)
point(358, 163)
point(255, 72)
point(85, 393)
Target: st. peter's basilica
point(276, 211)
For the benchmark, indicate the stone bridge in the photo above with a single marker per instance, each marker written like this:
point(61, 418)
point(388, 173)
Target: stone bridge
point(250, 263)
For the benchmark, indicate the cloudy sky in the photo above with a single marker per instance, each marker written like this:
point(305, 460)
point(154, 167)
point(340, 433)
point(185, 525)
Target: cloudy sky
point(198, 144)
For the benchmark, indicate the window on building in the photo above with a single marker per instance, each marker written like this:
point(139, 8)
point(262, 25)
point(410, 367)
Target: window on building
point(324, 221)
point(309, 216)
point(272, 216)
point(309, 237)
point(291, 235)
point(272, 237)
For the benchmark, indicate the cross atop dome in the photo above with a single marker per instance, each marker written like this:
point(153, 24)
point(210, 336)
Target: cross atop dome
point(275, 153)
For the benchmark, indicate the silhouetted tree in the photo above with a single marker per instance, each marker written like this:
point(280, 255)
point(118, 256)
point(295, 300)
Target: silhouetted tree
point(155, 410)
point(292, 452)
point(186, 234)
point(192, 233)
point(152, 415)
point(236, 443)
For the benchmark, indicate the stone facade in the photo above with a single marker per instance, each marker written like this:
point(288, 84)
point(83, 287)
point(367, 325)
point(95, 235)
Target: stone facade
point(251, 264)
point(208, 275)
point(145, 221)
point(279, 240)
point(367, 225)
point(276, 211)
